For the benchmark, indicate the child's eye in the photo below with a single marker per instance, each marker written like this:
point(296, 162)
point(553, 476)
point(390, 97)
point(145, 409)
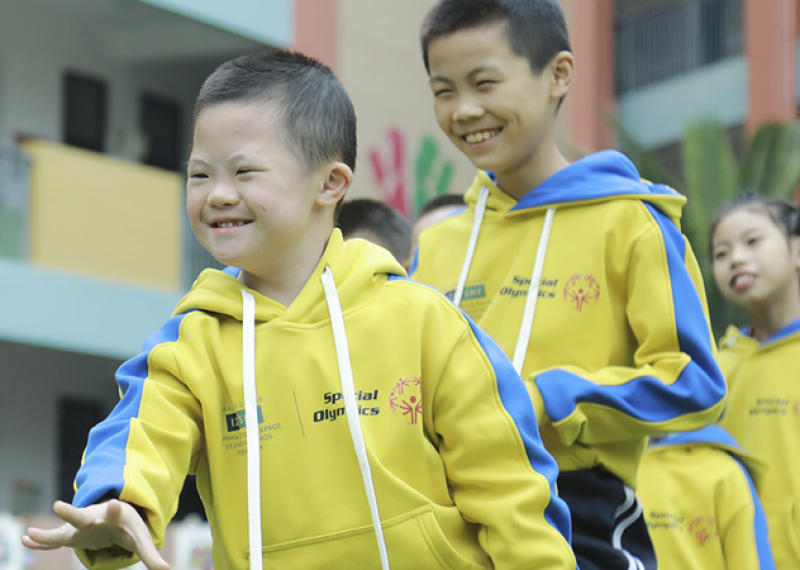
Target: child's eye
point(719, 255)
point(198, 176)
point(753, 241)
point(440, 92)
point(486, 83)
point(242, 171)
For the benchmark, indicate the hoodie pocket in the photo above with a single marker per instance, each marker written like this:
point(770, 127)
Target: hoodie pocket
point(783, 525)
point(414, 541)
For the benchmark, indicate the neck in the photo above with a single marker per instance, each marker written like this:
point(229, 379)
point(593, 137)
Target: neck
point(771, 319)
point(518, 182)
point(283, 279)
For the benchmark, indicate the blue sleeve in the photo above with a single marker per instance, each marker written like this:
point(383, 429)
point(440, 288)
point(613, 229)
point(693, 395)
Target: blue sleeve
point(676, 389)
point(102, 474)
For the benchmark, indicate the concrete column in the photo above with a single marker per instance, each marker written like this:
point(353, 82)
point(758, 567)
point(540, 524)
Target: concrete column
point(593, 98)
point(316, 30)
point(771, 43)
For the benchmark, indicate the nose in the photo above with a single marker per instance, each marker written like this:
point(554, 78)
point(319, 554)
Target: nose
point(737, 255)
point(467, 109)
point(223, 194)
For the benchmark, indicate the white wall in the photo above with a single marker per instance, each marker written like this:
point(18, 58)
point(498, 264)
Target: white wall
point(31, 381)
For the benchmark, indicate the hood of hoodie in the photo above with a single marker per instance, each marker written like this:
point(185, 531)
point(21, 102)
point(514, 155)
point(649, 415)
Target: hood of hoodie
point(358, 266)
point(603, 176)
point(716, 437)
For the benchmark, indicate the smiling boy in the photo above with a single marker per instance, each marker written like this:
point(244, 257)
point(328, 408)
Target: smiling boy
point(390, 428)
point(578, 271)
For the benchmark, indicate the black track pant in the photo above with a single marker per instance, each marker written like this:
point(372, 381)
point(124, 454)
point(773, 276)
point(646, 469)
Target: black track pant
point(608, 529)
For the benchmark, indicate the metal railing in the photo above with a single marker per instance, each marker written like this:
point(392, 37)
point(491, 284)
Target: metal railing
point(14, 173)
point(671, 40)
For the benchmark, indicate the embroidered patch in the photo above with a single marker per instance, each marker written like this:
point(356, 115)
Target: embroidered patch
point(405, 399)
point(582, 290)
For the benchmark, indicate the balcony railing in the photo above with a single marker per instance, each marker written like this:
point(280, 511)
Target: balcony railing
point(14, 171)
point(657, 44)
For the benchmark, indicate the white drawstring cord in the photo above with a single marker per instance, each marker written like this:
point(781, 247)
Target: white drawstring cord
point(480, 210)
point(526, 328)
point(351, 407)
point(252, 429)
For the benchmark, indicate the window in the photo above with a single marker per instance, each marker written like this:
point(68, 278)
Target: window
point(160, 121)
point(75, 419)
point(85, 106)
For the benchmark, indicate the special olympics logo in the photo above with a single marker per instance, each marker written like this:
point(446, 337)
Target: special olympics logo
point(405, 399)
point(704, 529)
point(581, 290)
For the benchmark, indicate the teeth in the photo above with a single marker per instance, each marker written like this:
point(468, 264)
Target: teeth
point(230, 224)
point(742, 279)
point(473, 138)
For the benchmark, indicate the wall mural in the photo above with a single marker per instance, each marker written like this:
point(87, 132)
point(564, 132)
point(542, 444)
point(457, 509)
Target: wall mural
point(432, 174)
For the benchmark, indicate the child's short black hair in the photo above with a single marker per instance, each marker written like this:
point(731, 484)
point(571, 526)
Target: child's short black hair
point(783, 213)
point(384, 222)
point(443, 201)
point(317, 115)
point(537, 29)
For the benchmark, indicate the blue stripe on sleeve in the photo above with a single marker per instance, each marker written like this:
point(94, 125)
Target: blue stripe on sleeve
point(760, 527)
point(700, 385)
point(517, 403)
point(102, 474)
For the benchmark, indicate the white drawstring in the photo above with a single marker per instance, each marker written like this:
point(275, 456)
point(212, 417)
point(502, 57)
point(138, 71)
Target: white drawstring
point(526, 328)
point(480, 210)
point(351, 407)
point(251, 429)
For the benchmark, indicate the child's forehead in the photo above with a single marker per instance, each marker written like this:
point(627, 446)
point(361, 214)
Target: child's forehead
point(476, 42)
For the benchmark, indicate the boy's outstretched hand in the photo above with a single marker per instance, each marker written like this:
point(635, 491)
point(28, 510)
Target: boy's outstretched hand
point(111, 525)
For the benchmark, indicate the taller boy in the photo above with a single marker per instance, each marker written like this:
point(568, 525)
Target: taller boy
point(579, 271)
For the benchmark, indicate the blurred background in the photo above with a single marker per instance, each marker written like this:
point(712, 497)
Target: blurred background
point(95, 123)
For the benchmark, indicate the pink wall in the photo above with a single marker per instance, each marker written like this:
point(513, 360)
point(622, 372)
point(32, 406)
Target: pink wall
point(592, 37)
point(770, 39)
point(316, 30)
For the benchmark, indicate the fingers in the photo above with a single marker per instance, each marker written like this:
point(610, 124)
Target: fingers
point(48, 539)
point(139, 534)
point(34, 545)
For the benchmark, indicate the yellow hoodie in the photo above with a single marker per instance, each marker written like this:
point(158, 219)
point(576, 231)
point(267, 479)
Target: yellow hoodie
point(700, 503)
point(763, 413)
point(446, 449)
point(604, 316)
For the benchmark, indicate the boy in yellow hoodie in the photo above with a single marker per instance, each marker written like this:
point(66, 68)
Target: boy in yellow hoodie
point(700, 503)
point(336, 414)
point(578, 271)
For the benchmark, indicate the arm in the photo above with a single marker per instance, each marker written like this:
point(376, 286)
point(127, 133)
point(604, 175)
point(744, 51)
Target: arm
point(674, 384)
point(499, 472)
point(142, 452)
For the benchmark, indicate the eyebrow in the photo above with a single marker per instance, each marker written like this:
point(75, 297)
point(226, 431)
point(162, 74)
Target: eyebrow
point(470, 75)
point(739, 235)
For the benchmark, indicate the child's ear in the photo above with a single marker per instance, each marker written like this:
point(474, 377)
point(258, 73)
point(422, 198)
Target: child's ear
point(337, 180)
point(562, 68)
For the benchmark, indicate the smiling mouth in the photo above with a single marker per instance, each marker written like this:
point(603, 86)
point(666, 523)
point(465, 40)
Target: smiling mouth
point(743, 281)
point(481, 136)
point(223, 225)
